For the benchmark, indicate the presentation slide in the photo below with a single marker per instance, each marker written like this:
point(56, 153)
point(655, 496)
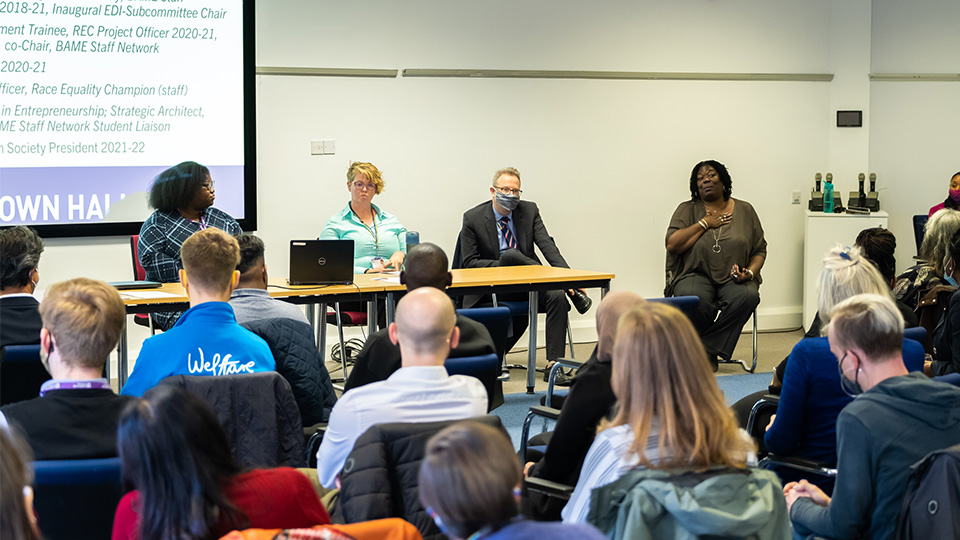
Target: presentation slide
point(97, 98)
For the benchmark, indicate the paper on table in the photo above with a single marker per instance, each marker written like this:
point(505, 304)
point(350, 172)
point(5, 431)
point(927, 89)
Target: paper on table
point(389, 279)
point(145, 295)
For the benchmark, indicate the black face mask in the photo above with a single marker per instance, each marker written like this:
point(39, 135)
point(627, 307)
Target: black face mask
point(850, 388)
point(508, 202)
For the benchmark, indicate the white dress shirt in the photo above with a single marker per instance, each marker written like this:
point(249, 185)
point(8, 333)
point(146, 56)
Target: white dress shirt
point(411, 394)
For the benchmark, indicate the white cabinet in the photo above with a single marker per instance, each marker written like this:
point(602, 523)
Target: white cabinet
point(821, 233)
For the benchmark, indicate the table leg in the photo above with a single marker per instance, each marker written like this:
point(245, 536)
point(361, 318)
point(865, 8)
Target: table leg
point(604, 291)
point(312, 317)
point(391, 307)
point(533, 300)
point(122, 368)
point(372, 316)
point(322, 333)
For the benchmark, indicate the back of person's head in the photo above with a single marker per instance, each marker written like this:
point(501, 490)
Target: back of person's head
point(661, 376)
point(210, 258)
point(425, 265)
point(176, 187)
point(16, 514)
point(879, 246)
point(85, 318)
point(20, 249)
point(425, 319)
point(846, 272)
point(176, 454)
point(869, 322)
point(611, 308)
point(936, 237)
point(467, 479)
point(251, 253)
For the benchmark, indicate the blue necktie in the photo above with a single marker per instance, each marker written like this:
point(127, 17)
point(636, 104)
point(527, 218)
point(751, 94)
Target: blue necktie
point(507, 235)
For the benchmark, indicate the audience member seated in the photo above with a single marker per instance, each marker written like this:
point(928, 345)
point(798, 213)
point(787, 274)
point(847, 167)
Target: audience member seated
point(20, 250)
point(898, 418)
point(715, 250)
point(670, 414)
point(589, 401)
point(921, 279)
point(187, 484)
point(420, 391)
point(470, 485)
point(507, 232)
point(812, 395)
point(76, 415)
point(425, 266)
point(206, 340)
point(17, 518)
point(250, 300)
point(946, 339)
point(953, 197)
point(183, 197)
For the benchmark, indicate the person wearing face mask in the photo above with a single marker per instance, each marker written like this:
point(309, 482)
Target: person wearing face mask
point(812, 396)
point(898, 419)
point(20, 249)
point(953, 197)
point(946, 337)
point(715, 250)
point(505, 233)
point(76, 414)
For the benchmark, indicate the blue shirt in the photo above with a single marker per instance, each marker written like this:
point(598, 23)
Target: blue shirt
point(513, 229)
point(386, 237)
point(205, 341)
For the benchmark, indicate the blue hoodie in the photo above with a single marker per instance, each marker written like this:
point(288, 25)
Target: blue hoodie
point(205, 341)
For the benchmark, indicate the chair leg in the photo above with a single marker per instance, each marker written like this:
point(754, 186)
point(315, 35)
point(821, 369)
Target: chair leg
point(753, 367)
point(570, 339)
point(343, 350)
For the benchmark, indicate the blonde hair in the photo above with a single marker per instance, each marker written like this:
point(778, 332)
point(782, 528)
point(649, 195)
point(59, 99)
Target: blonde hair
point(871, 323)
point(85, 317)
point(661, 374)
point(508, 170)
point(370, 171)
point(939, 230)
point(846, 272)
point(210, 257)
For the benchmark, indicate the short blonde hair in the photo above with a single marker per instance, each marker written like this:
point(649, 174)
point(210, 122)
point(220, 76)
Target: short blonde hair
point(369, 170)
point(210, 257)
point(846, 272)
point(871, 323)
point(661, 374)
point(85, 317)
point(509, 170)
point(937, 234)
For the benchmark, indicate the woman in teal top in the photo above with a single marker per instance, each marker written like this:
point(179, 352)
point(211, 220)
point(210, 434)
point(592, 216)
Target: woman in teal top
point(379, 239)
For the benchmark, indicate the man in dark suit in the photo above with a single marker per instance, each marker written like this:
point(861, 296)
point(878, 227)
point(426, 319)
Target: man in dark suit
point(503, 233)
point(20, 250)
point(425, 266)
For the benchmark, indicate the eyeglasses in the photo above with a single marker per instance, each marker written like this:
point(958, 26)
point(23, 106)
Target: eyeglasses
point(360, 186)
point(210, 184)
point(710, 176)
point(508, 191)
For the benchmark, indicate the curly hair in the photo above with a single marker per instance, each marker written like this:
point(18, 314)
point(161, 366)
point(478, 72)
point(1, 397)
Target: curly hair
point(370, 171)
point(879, 247)
point(721, 172)
point(936, 237)
point(251, 251)
point(20, 249)
point(177, 186)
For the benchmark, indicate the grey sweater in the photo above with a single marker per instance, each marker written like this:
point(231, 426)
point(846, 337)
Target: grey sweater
point(879, 435)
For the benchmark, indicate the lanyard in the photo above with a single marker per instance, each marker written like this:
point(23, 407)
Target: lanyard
point(98, 384)
point(374, 232)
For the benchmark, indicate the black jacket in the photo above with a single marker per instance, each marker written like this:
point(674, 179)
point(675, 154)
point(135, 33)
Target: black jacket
point(258, 414)
point(479, 244)
point(379, 478)
point(299, 362)
point(19, 321)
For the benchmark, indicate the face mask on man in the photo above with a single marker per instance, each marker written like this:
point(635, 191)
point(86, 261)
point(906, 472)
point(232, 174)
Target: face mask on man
point(507, 202)
point(850, 388)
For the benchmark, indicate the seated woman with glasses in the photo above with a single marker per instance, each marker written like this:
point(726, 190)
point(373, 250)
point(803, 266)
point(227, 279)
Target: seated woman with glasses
point(379, 239)
point(715, 250)
point(183, 197)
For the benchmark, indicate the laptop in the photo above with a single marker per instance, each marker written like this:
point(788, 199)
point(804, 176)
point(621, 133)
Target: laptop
point(321, 262)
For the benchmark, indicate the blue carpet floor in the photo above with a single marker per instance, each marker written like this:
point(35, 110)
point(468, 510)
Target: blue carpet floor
point(515, 406)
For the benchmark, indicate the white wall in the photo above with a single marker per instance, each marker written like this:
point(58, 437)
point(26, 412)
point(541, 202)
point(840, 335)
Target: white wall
point(607, 161)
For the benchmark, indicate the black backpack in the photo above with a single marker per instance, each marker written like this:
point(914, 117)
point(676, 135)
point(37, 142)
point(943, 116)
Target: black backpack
point(931, 504)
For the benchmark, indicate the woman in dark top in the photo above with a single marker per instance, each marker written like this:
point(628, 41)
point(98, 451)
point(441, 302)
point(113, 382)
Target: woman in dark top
point(953, 197)
point(715, 250)
point(589, 400)
point(946, 338)
point(183, 197)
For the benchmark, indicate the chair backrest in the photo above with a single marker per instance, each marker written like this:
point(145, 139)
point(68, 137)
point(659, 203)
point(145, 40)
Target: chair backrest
point(380, 476)
point(77, 498)
point(497, 321)
point(919, 224)
point(21, 373)
point(917, 333)
point(258, 413)
point(687, 304)
point(139, 273)
point(486, 368)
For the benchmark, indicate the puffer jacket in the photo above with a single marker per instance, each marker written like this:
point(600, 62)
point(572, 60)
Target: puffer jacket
point(720, 502)
point(258, 415)
point(379, 477)
point(299, 362)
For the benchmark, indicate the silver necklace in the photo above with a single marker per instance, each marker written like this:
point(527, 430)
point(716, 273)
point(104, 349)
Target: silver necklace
point(716, 239)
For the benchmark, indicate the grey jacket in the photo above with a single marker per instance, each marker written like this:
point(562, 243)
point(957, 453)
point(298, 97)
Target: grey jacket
point(720, 502)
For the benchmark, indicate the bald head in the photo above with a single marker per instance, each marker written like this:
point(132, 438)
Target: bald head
point(425, 327)
point(426, 266)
